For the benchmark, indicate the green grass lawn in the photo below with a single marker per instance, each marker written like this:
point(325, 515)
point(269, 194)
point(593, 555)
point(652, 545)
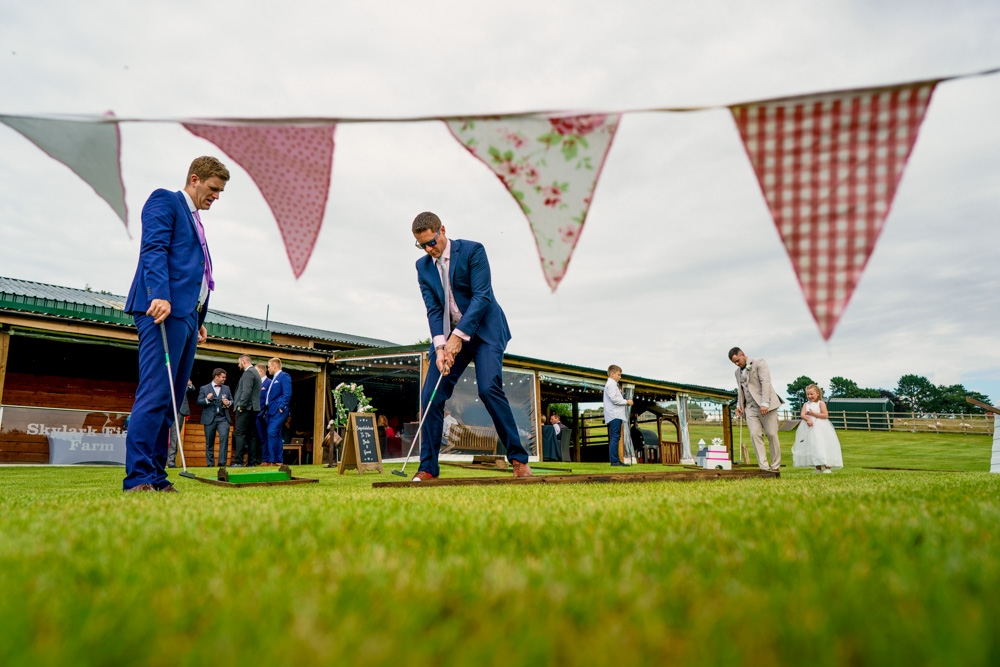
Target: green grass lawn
point(859, 567)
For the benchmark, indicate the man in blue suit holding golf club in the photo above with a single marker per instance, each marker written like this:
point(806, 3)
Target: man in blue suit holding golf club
point(467, 325)
point(171, 288)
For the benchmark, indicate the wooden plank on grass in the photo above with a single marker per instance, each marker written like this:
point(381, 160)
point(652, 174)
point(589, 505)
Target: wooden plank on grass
point(601, 478)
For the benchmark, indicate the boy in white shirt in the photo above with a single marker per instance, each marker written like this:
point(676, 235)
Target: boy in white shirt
point(614, 411)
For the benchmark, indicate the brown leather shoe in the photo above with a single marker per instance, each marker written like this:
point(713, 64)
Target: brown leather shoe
point(140, 488)
point(422, 477)
point(169, 488)
point(521, 469)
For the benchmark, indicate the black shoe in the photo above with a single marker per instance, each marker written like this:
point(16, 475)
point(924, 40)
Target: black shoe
point(171, 465)
point(615, 465)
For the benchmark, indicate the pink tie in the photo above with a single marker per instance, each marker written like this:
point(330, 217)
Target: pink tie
point(204, 249)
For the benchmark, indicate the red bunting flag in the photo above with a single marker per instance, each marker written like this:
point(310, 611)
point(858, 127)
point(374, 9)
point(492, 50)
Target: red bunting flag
point(828, 166)
point(291, 165)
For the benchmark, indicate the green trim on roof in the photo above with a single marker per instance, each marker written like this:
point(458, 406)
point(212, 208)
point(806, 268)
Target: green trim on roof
point(238, 333)
point(58, 308)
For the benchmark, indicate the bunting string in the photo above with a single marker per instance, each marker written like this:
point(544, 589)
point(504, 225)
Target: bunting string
point(828, 165)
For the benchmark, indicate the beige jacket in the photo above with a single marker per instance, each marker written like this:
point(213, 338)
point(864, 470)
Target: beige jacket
point(759, 383)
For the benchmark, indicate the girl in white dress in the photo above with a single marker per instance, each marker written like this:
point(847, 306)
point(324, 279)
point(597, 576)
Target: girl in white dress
point(816, 442)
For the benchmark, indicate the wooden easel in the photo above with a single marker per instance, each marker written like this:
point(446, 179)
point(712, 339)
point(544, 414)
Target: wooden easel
point(361, 446)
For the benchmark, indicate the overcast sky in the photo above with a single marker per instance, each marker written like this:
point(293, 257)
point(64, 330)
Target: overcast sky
point(679, 259)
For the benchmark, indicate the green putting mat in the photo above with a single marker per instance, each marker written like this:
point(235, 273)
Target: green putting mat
point(259, 476)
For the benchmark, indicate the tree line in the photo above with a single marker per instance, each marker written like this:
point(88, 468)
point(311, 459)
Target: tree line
point(913, 393)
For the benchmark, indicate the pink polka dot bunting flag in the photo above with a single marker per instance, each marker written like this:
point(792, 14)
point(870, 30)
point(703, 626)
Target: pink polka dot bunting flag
point(829, 166)
point(550, 165)
point(291, 165)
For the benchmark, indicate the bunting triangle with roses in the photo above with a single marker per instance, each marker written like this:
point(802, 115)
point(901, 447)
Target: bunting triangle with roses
point(550, 166)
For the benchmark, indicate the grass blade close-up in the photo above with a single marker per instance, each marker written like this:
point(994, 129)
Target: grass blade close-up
point(864, 566)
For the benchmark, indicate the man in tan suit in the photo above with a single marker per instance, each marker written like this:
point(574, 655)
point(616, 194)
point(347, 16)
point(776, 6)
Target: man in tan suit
point(758, 399)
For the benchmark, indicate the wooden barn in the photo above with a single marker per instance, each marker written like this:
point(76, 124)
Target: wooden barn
point(69, 362)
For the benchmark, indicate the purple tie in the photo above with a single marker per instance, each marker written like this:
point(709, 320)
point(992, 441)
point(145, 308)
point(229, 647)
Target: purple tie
point(204, 248)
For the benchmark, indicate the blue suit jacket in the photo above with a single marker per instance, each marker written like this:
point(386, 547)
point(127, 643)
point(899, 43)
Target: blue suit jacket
point(281, 393)
point(469, 275)
point(171, 262)
point(265, 382)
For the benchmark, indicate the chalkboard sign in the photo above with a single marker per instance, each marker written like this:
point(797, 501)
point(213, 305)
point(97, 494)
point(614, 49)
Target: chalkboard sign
point(361, 446)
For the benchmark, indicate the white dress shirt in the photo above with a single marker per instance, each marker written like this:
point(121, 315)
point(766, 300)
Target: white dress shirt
point(204, 283)
point(614, 402)
point(456, 314)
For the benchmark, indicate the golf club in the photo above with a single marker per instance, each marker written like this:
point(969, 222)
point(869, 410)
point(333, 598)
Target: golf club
point(173, 402)
point(402, 471)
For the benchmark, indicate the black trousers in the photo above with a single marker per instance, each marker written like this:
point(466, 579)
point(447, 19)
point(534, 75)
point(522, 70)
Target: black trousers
point(246, 440)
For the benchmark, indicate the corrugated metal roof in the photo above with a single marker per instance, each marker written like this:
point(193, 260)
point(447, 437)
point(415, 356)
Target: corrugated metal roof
point(28, 296)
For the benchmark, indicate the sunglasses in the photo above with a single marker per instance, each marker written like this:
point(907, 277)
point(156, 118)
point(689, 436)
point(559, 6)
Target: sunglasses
point(430, 244)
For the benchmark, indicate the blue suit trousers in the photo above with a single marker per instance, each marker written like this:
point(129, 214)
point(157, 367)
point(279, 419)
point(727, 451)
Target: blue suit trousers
point(489, 379)
point(275, 447)
point(152, 414)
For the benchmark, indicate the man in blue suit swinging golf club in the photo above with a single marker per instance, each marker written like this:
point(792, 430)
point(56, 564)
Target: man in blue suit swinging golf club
point(467, 325)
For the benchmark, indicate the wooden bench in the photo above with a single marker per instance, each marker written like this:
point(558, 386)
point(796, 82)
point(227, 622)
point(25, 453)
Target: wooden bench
point(473, 438)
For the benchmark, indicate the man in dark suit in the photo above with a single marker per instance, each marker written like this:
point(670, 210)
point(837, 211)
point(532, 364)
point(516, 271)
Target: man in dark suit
point(171, 286)
point(277, 399)
point(216, 399)
point(184, 411)
point(467, 325)
point(247, 402)
point(265, 382)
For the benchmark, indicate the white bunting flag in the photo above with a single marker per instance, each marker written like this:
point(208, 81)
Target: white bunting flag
point(91, 149)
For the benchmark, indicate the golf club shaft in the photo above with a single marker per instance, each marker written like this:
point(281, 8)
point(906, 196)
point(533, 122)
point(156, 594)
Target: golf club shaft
point(173, 397)
point(421, 424)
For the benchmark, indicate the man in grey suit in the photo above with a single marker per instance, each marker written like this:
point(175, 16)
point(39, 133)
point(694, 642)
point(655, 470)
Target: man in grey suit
point(757, 398)
point(184, 411)
point(216, 398)
point(247, 402)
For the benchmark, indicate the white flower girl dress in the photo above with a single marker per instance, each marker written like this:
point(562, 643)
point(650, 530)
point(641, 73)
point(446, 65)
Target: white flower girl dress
point(816, 445)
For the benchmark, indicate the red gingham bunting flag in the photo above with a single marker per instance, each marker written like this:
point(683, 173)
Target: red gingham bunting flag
point(550, 165)
point(828, 166)
point(291, 166)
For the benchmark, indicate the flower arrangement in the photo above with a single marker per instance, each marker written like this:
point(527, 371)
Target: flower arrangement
point(356, 390)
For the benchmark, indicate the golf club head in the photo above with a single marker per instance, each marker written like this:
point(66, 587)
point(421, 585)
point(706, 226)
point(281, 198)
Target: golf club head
point(189, 475)
point(399, 473)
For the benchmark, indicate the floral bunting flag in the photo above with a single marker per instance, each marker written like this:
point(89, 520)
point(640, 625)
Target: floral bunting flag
point(291, 165)
point(828, 166)
point(91, 149)
point(550, 166)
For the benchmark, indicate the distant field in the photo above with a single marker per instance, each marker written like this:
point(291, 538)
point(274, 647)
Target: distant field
point(859, 567)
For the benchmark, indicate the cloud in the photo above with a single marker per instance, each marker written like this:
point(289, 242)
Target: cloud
point(679, 259)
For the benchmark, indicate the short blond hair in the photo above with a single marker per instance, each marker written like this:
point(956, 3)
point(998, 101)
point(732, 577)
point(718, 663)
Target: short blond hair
point(206, 167)
point(274, 360)
point(614, 369)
